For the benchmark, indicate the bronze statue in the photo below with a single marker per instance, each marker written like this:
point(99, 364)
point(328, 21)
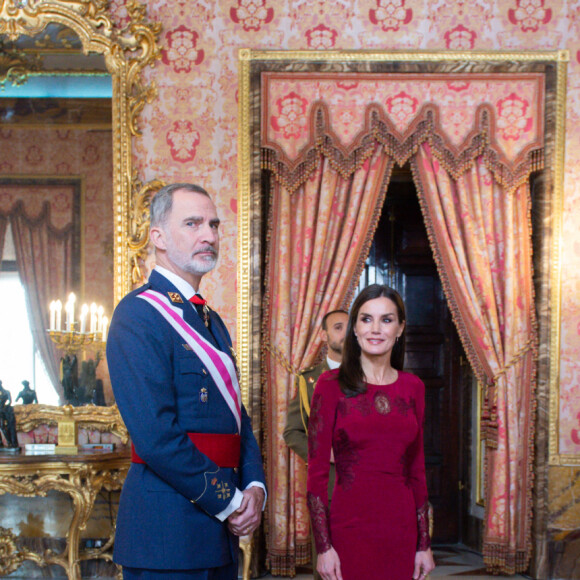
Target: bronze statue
point(88, 381)
point(27, 394)
point(69, 376)
point(7, 421)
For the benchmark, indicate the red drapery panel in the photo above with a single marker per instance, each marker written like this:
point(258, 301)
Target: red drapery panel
point(481, 237)
point(317, 241)
point(487, 132)
point(44, 258)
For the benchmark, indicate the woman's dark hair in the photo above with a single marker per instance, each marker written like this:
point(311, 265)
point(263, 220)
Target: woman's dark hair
point(351, 376)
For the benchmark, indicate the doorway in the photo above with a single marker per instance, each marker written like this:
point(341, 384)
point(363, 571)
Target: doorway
point(401, 257)
point(260, 150)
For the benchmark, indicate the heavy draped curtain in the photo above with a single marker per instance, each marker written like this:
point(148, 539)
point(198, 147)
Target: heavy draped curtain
point(481, 237)
point(477, 213)
point(44, 258)
point(318, 238)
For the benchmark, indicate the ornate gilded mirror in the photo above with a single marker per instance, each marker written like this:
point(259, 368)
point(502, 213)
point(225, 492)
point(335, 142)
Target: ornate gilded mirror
point(96, 58)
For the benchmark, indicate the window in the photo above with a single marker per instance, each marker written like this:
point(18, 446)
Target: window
point(19, 359)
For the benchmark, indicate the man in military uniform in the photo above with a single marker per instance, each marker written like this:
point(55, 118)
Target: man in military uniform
point(196, 482)
point(296, 430)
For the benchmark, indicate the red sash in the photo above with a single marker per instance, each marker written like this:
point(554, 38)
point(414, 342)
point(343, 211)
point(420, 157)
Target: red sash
point(222, 448)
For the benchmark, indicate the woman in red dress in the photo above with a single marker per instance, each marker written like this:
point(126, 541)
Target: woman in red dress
point(370, 414)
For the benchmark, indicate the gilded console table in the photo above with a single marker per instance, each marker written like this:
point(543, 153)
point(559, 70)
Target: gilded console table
point(82, 477)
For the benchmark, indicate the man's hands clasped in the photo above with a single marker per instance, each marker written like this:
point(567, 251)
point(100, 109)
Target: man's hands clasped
point(247, 517)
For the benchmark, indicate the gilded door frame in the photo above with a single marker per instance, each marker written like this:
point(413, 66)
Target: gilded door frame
point(249, 201)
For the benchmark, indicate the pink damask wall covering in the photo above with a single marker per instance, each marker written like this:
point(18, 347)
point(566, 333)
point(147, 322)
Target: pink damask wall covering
point(70, 152)
point(190, 130)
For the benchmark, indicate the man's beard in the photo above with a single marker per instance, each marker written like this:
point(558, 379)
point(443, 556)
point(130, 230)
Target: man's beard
point(336, 347)
point(193, 264)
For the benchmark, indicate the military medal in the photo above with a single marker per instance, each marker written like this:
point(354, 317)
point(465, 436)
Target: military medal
point(203, 395)
point(201, 307)
point(235, 359)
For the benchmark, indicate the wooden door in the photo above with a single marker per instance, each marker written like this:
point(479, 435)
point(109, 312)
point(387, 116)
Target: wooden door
point(401, 257)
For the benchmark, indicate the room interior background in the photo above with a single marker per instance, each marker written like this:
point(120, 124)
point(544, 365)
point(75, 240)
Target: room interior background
point(192, 127)
point(190, 132)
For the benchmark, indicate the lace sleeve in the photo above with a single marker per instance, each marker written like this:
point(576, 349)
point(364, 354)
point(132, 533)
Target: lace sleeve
point(423, 537)
point(319, 516)
point(320, 431)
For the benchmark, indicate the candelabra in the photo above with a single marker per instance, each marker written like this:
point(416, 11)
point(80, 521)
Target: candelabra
point(71, 341)
point(89, 330)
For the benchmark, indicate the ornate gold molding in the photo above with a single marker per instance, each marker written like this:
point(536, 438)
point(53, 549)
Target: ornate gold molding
point(104, 419)
point(127, 51)
point(139, 224)
point(245, 241)
point(248, 54)
point(81, 478)
point(555, 455)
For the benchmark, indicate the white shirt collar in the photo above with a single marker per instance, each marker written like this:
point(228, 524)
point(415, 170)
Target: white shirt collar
point(182, 285)
point(332, 364)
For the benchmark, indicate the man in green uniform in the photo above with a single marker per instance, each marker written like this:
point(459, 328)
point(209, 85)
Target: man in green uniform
point(296, 430)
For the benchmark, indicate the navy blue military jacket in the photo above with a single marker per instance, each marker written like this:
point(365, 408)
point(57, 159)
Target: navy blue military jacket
point(167, 510)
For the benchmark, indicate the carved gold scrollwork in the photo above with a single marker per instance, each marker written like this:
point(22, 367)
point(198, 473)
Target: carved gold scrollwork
point(29, 17)
point(127, 51)
point(10, 556)
point(141, 37)
point(104, 419)
point(139, 224)
point(81, 481)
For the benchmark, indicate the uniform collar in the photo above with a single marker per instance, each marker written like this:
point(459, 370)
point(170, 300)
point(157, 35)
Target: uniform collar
point(332, 364)
point(184, 287)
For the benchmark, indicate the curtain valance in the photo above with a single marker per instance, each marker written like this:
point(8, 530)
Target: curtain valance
point(380, 130)
point(462, 116)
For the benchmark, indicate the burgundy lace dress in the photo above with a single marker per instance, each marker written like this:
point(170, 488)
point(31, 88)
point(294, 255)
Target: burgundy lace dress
point(378, 518)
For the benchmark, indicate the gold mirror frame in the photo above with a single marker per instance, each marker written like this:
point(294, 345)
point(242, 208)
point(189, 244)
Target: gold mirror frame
point(127, 51)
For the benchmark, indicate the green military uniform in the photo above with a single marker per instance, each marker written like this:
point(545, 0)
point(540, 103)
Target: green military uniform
point(296, 430)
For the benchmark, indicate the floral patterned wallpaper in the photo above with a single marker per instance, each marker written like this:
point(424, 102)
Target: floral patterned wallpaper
point(190, 130)
point(69, 152)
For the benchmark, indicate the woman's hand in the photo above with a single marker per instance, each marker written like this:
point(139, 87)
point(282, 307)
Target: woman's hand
point(329, 565)
point(424, 563)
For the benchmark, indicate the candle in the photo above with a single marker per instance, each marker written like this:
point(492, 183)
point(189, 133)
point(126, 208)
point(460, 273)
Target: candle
point(68, 316)
point(84, 313)
point(58, 309)
point(100, 311)
point(70, 312)
point(104, 329)
point(52, 325)
point(93, 325)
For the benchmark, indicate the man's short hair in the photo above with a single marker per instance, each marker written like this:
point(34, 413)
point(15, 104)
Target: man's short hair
point(163, 201)
point(330, 314)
